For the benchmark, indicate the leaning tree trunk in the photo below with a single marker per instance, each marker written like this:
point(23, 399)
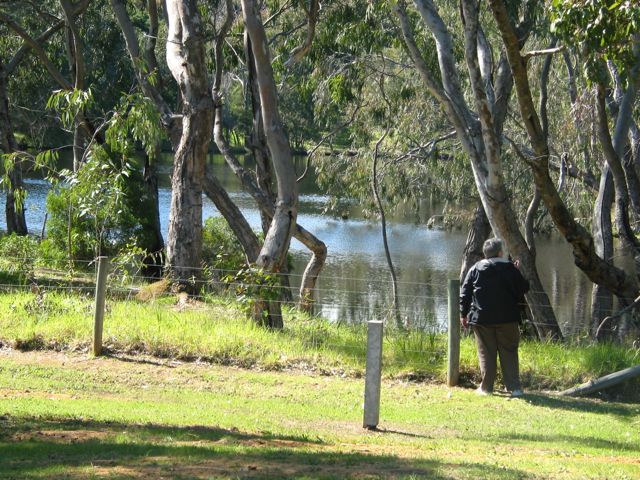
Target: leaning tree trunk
point(263, 197)
point(260, 153)
point(16, 222)
point(633, 160)
point(597, 269)
point(186, 59)
point(492, 190)
point(276, 245)
point(485, 159)
point(614, 162)
point(232, 214)
point(257, 139)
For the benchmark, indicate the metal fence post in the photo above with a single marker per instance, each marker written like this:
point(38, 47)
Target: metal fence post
point(453, 369)
point(101, 290)
point(373, 375)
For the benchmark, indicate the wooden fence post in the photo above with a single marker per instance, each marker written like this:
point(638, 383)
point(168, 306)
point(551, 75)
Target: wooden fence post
point(373, 375)
point(101, 290)
point(453, 370)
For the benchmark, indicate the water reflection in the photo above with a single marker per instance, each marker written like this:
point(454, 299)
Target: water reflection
point(355, 284)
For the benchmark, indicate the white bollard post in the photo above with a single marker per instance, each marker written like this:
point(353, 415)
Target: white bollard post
point(453, 370)
point(373, 375)
point(101, 290)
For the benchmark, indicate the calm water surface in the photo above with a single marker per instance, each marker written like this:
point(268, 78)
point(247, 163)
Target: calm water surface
point(355, 283)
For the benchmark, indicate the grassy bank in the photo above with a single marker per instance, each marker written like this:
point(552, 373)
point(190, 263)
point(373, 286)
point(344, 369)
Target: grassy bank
point(216, 331)
point(67, 416)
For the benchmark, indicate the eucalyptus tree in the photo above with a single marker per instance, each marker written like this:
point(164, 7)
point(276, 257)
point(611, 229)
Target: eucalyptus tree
point(260, 186)
point(186, 58)
point(604, 35)
point(174, 124)
point(148, 73)
point(600, 270)
point(479, 131)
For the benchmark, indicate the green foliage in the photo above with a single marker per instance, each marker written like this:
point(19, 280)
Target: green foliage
point(69, 103)
point(253, 287)
point(50, 254)
point(103, 208)
point(135, 120)
point(98, 210)
point(216, 331)
point(129, 262)
point(221, 250)
point(18, 254)
point(600, 29)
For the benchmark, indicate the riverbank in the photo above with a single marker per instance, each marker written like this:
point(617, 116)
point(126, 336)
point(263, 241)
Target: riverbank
point(213, 329)
point(67, 416)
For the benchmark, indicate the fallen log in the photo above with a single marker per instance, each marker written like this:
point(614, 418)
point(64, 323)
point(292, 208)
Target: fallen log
point(603, 382)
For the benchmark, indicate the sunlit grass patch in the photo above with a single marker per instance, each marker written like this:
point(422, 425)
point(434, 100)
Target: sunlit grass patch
point(67, 416)
point(217, 331)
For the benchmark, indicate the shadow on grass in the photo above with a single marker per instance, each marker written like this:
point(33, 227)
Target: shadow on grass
point(589, 442)
point(29, 449)
point(29, 428)
point(591, 406)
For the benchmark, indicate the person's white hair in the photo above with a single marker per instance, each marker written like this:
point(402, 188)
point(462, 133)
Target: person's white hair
point(492, 247)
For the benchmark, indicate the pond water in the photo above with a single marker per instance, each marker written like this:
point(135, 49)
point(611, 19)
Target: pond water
point(355, 283)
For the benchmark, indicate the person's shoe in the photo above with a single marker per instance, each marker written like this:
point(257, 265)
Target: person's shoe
point(517, 393)
point(480, 391)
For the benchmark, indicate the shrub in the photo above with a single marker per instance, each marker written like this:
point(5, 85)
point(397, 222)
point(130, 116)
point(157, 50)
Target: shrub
point(18, 256)
point(221, 250)
point(100, 210)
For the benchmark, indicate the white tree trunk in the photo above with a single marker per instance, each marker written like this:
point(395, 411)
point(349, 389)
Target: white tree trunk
point(276, 245)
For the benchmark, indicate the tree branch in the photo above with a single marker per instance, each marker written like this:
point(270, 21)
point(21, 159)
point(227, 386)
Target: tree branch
point(37, 49)
point(540, 53)
point(312, 19)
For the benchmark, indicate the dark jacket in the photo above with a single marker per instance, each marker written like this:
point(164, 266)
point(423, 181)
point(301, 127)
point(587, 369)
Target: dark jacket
point(493, 292)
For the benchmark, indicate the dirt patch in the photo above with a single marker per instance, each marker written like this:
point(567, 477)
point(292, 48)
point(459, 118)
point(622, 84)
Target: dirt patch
point(58, 436)
point(10, 393)
point(247, 467)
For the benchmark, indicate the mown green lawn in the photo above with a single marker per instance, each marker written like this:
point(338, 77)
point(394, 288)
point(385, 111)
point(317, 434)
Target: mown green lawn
point(71, 416)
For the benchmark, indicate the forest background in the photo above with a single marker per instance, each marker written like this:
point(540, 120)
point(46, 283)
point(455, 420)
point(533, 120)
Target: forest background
point(388, 100)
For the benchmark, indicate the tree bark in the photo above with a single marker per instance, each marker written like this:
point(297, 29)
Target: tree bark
point(234, 217)
point(617, 171)
point(186, 59)
point(137, 57)
point(601, 296)
point(529, 221)
point(156, 245)
point(76, 61)
point(257, 140)
point(478, 232)
point(276, 244)
point(603, 383)
point(383, 224)
point(632, 162)
point(260, 153)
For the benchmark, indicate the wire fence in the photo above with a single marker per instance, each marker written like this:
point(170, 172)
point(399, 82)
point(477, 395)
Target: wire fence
point(421, 304)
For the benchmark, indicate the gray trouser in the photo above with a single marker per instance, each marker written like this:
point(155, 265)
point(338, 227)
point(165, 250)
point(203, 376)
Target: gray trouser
point(493, 340)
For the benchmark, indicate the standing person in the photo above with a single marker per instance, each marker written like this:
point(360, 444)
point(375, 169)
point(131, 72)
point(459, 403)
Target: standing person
point(489, 303)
